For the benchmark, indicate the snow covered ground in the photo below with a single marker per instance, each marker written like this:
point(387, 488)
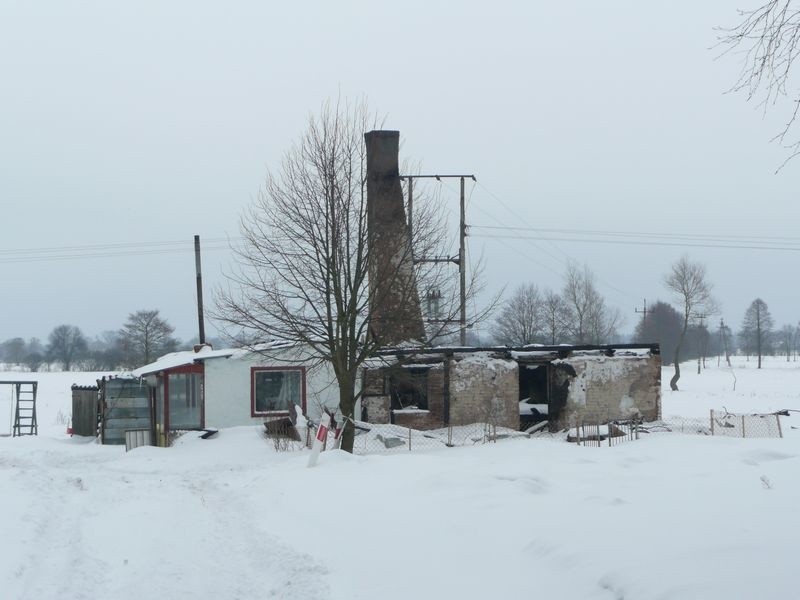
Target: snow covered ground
point(668, 516)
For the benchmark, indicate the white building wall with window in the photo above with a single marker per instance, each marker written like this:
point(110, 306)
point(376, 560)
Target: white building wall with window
point(229, 387)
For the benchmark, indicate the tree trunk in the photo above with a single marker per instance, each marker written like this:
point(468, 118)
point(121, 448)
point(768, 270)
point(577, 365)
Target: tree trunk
point(347, 404)
point(673, 383)
point(758, 335)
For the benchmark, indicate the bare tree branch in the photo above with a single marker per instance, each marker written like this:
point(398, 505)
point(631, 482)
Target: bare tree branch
point(306, 264)
point(768, 39)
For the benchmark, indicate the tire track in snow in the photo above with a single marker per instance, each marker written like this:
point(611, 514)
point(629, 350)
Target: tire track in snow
point(281, 571)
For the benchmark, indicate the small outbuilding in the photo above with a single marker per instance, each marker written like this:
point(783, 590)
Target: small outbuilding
point(207, 388)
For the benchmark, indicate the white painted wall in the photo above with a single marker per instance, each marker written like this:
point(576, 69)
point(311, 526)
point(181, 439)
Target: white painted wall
point(227, 387)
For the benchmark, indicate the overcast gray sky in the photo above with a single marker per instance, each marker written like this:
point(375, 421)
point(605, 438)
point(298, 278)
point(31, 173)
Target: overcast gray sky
point(147, 122)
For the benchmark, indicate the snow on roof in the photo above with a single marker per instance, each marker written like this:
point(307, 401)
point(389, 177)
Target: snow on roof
point(188, 357)
point(179, 359)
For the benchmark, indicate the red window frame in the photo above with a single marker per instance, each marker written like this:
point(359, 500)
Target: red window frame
point(198, 368)
point(276, 413)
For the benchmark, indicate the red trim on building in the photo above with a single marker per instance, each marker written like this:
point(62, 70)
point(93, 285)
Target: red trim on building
point(198, 368)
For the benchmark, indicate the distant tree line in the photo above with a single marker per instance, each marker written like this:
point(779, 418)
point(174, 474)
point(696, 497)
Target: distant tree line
point(756, 337)
point(144, 337)
point(688, 329)
point(575, 314)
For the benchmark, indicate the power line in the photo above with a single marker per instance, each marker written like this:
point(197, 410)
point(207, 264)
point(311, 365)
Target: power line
point(646, 243)
point(111, 250)
point(550, 241)
point(669, 236)
point(521, 219)
point(114, 245)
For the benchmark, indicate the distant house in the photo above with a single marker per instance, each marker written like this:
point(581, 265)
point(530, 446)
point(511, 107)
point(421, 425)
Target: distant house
point(432, 388)
point(209, 388)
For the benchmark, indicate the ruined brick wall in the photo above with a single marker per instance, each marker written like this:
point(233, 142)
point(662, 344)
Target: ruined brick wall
point(609, 388)
point(433, 417)
point(484, 389)
point(376, 409)
point(377, 401)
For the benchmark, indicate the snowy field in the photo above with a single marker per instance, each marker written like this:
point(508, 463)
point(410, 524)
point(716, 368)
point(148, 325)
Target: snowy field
point(669, 516)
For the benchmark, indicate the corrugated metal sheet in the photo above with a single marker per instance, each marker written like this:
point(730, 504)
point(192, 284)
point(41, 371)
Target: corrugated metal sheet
point(137, 437)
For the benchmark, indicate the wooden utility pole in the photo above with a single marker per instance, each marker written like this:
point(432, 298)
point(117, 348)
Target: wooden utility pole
point(411, 212)
point(722, 330)
point(644, 310)
point(200, 319)
point(701, 349)
point(462, 268)
point(461, 261)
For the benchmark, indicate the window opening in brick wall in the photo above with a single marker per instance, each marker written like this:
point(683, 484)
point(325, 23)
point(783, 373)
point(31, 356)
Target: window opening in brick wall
point(408, 388)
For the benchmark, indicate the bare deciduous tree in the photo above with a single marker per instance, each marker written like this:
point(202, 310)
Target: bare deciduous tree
point(305, 265)
point(586, 316)
point(522, 317)
point(553, 309)
point(13, 351)
point(757, 327)
point(146, 336)
point(786, 336)
point(689, 285)
point(579, 294)
point(66, 344)
point(603, 321)
point(662, 324)
point(769, 38)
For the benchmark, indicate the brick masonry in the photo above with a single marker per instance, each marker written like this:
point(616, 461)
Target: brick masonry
point(484, 390)
point(610, 388)
point(590, 387)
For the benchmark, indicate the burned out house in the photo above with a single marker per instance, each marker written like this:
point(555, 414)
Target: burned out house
point(429, 388)
point(410, 384)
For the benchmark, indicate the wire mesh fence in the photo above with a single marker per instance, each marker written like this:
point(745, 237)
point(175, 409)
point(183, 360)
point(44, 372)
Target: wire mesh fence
point(373, 438)
point(743, 425)
point(610, 433)
point(723, 423)
point(677, 424)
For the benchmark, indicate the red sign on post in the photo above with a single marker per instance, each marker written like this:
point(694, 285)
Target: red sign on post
point(322, 436)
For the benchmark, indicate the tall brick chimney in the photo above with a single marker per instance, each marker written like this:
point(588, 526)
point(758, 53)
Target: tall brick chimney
point(395, 311)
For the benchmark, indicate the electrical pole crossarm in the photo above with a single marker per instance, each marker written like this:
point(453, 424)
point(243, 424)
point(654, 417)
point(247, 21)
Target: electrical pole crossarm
point(437, 177)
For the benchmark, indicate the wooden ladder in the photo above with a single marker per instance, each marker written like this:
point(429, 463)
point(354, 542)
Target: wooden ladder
point(25, 413)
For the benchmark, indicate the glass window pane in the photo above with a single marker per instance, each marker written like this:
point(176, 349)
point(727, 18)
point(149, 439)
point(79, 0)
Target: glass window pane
point(277, 390)
point(184, 401)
